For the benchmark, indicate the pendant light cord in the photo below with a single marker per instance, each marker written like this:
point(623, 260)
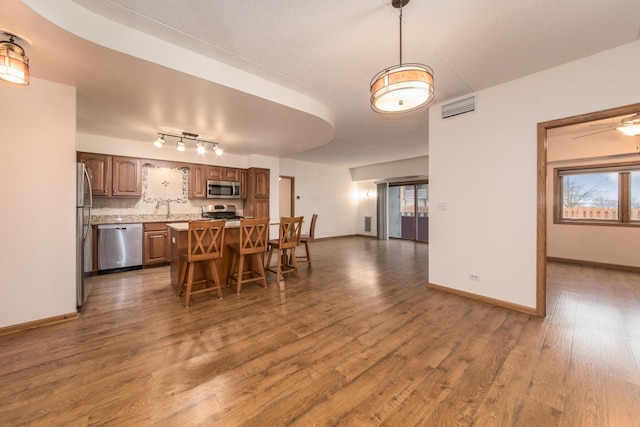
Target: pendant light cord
point(400, 33)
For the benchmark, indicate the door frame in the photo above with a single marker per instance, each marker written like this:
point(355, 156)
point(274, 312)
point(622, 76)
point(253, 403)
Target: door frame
point(541, 220)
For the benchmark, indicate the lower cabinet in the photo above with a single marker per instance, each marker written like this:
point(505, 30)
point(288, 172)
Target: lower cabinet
point(156, 243)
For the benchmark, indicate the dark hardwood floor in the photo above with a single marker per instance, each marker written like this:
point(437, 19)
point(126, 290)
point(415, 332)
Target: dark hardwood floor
point(359, 341)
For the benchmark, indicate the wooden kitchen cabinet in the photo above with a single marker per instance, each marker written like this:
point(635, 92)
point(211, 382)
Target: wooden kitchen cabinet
point(113, 175)
point(222, 173)
point(127, 177)
point(99, 169)
point(260, 208)
point(243, 183)
point(214, 172)
point(256, 204)
point(156, 244)
point(197, 182)
point(259, 182)
point(231, 174)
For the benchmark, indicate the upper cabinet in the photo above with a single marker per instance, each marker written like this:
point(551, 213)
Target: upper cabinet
point(99, 169)
point(113, 175)
point(231, 174)
point(127, 177)
point(197, 182)
point(117, 176)
point(243, 183)
point(259, 182)
point(221, 173)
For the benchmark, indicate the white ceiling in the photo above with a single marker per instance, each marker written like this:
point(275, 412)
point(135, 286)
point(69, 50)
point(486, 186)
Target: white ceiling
point(300, 88)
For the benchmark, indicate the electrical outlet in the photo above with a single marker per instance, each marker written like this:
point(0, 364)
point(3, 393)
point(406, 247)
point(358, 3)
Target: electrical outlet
point(474, 277)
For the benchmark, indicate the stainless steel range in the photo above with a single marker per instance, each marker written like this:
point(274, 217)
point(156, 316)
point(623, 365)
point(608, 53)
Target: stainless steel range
point(220, 212)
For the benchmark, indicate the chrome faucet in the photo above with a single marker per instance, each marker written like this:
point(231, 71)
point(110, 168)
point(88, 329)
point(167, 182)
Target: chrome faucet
point(161, 202)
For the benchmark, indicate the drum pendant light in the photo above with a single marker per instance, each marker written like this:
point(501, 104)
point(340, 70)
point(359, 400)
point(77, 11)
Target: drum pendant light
point(14, 65)
point(403, 87)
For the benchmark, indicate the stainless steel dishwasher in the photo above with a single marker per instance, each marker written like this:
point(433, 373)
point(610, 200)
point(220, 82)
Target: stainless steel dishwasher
point(119, 246)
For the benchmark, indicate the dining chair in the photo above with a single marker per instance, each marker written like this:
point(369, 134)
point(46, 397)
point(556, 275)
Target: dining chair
point(251, 246)
point(306, 239)
point(285, 246)
point(205, 242)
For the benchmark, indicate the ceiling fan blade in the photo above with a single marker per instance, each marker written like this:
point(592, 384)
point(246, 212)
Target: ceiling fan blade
point(605, 124)
point(621, 122)
point(592, 133)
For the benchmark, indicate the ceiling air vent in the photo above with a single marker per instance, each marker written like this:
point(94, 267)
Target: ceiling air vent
point(461, 106)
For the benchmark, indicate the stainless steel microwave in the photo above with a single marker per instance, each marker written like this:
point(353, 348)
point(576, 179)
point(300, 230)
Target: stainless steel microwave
point(223, 189)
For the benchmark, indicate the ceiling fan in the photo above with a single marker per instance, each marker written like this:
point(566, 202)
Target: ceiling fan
point(629, 126)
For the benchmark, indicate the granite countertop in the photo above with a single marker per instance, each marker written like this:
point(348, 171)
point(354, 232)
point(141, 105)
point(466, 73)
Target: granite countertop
point(234, 223)
point(184, 226)
point(138, 219)
point(178, 221)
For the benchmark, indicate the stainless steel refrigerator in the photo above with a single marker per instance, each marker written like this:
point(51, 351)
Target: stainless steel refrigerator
point(84, 202)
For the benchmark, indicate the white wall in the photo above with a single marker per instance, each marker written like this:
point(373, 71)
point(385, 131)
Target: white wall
point(367, 206)
point(37, 183)
point(327, 191)
point(482, 166)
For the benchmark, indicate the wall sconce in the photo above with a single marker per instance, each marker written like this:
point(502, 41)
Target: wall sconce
point(14, 65)
point(180, 145)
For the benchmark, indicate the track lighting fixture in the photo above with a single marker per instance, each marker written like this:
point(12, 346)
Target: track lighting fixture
point(181, 146)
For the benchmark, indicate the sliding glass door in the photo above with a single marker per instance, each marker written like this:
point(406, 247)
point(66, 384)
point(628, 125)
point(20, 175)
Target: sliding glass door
point(409, 211)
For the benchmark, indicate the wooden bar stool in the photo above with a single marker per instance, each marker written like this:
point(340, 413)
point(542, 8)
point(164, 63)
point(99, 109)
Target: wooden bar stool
point(288, 238)
point(253, 244)
point(205, 242)
point(306, 239)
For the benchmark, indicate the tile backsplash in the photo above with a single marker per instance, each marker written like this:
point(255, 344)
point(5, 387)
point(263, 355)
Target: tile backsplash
point(165, 184)
point(158, 184)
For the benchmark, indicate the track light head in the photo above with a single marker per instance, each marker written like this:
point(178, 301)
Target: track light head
point(159, 142)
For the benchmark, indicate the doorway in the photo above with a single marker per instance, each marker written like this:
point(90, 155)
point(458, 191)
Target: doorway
point(541, 237)
point(408, 211)
point(287, 192)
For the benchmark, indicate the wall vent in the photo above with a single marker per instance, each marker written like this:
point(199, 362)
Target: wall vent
point(462, 106)
point(367, 224)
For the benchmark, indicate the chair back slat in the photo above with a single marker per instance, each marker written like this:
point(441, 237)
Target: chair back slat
point(205, 240)
point(312, 229)
point(290, 231)
point(253, 235)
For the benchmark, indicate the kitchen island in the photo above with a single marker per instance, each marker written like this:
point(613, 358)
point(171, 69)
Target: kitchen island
point(178, 238)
